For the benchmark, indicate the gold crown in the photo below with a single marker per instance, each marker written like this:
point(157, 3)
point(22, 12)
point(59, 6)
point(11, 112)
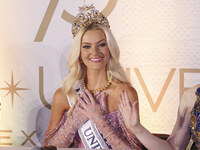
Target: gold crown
point(88, 15)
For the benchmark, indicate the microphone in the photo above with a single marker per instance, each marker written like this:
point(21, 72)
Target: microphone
point(78, 88)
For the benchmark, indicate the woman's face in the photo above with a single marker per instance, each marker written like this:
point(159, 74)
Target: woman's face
point(95, 53)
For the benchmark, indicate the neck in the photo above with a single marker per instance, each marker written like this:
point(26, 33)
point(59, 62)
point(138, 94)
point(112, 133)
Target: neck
point(96, 79)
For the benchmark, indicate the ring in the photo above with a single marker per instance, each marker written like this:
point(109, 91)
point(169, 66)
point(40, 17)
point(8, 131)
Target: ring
point(102, 112)
point(87, 101)
point(93, 110)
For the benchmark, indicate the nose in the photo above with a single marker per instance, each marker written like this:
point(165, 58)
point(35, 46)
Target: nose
point(94, 50)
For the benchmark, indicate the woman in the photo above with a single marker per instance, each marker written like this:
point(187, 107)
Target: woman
point(186, 123)
point(93, 121)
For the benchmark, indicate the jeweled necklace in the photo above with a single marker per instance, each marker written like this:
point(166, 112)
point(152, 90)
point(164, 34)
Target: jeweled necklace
point(99, 89)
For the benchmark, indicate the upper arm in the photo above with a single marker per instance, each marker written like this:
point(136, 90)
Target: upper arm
point(58, 107)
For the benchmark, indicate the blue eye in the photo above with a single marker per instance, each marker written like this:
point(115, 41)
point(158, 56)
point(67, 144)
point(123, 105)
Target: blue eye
point(86, 46)
point(102, 45)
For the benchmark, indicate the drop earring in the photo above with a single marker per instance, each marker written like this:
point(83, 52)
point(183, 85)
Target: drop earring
point(81, 61)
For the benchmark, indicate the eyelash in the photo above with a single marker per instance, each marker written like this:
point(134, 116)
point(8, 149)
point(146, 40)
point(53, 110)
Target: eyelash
point(88, 46)
point(102, 45)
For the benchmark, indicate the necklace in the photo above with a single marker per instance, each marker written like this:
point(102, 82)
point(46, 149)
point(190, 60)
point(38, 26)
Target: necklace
point(99, 89)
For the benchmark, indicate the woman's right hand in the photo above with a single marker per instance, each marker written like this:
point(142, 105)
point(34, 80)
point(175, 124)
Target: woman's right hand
point(78, 116)
point(130, 112)
point(102, 98)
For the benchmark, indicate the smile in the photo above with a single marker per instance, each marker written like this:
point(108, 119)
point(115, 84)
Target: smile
point(96, 60)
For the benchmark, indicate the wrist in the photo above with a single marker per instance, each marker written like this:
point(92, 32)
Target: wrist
point(72, 123)
point(137, 129)
point(99, 115)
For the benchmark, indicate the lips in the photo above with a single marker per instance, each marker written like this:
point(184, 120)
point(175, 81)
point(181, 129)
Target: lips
point(96, 60)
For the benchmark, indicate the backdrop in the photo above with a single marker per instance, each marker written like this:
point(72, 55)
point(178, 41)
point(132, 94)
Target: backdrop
point(159, 43)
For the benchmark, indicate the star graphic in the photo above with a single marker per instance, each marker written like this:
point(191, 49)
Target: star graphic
point(12, 88)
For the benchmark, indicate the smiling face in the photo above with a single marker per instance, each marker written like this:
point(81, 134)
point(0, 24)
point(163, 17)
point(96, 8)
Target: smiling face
point(94, 50)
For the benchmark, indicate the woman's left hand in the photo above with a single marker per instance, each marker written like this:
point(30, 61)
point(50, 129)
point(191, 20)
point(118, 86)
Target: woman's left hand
point(92, 108)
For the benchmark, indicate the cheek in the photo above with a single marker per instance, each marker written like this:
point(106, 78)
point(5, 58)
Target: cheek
point(107, 53)
point(84, 53)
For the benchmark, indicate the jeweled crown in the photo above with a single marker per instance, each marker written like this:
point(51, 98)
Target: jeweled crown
point(88, 15)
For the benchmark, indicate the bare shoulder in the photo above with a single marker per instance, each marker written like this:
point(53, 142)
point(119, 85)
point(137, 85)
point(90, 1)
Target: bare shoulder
point(58, 107)
point(132, 93)
point(60, 100)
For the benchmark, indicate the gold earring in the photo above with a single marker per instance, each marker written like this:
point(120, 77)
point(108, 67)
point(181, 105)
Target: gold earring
point(81, 61)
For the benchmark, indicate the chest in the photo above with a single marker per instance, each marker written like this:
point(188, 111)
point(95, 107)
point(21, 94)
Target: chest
point(113, 100)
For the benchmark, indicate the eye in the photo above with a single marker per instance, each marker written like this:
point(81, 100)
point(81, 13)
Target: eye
point(102, 45)
point(86, 46)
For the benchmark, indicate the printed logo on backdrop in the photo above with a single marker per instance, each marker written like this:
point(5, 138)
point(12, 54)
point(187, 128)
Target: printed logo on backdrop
point(182, 72)
point(13, 88)
point(65, 15)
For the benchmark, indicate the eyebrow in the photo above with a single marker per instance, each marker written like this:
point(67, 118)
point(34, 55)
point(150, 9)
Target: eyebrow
point(97, 42)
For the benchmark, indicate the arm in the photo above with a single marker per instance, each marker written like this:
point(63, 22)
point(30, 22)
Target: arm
point(95, 112)
point(176, 141)
point(61, 132)
point(180, 135)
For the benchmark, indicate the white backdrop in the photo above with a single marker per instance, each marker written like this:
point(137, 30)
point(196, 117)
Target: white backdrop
point(159, 43)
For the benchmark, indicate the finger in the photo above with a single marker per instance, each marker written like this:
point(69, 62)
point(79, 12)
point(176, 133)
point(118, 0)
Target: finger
point(135, 108)
point(127, 100)
point(85, 97)
point(123, 98)
point(97, 93)
point(120, 104)
point(81, 98)
point(134, 105)
point(99, 97)
point(102, 96)
point(79, 105)
point(82, 110)
point(119, 107)
point(91, 98)
point(104, 101)
point(82, 103)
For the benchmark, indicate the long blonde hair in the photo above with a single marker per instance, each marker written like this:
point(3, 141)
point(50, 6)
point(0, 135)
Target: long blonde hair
point(77, 69)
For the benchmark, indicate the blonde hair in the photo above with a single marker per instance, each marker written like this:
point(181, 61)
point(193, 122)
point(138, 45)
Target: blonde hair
point(77, 69)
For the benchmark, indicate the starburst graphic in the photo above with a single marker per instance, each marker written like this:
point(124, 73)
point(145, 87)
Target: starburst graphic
point(12, 88)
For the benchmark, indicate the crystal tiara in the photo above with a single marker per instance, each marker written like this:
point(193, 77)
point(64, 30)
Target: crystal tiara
point(88, 15)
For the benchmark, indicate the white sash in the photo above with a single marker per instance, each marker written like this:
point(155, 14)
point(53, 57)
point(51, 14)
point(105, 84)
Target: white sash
point(89, 134)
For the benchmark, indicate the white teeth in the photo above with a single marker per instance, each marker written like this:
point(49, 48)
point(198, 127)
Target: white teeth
point(96, 59)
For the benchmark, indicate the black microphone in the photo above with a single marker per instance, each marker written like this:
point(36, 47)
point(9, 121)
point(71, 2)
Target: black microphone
point(78, 88)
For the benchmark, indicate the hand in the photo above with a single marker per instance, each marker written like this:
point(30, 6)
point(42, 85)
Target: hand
point(78, 116)
point(130, 112)
point(91, 107)
point(102, 98)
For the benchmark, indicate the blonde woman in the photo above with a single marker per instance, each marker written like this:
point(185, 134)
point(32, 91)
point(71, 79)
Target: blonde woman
point(91, 120)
